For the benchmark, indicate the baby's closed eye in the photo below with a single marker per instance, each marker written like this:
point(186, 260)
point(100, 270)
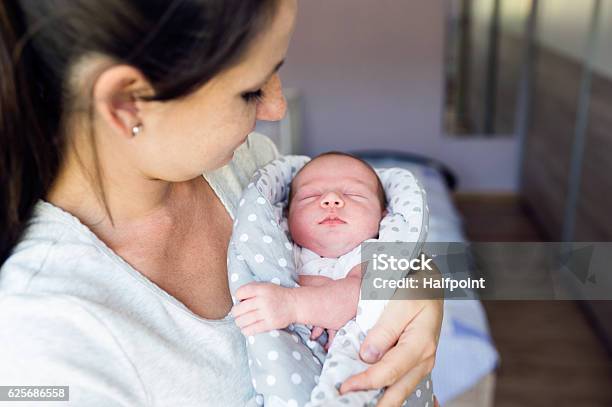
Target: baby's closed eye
point(356, 195)
point(310, 196)
point(303, 195)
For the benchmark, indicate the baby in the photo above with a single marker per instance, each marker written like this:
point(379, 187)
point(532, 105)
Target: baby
point(336, 202)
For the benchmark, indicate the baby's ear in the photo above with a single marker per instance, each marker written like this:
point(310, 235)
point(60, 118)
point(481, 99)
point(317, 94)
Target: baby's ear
point(384, 212)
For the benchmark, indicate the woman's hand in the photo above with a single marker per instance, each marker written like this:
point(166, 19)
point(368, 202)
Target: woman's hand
point(402, 346)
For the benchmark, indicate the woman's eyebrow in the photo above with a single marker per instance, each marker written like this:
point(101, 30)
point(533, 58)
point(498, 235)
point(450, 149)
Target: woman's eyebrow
point(276, 68)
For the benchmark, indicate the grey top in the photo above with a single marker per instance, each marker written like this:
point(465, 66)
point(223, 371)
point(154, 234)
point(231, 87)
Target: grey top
point(74, 313)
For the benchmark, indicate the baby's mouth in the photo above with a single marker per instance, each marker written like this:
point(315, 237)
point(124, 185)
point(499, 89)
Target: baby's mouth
point(332, 220)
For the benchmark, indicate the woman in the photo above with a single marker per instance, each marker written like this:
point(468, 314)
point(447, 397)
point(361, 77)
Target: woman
point(114, 246)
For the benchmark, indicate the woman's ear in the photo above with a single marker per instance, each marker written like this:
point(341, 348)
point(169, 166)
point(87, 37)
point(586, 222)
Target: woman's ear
point(115, 94)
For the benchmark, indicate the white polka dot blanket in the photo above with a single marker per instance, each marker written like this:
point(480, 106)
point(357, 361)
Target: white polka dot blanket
point(287, 368)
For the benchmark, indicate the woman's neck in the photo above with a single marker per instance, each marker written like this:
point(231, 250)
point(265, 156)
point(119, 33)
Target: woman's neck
point(134, 202)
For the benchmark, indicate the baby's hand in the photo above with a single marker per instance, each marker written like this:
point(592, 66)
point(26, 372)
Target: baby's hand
point(317, 331)
point(331, 334)
point(313, 281)
point(264, 307)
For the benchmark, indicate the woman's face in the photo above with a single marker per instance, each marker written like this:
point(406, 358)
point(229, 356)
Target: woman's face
point(183, 138)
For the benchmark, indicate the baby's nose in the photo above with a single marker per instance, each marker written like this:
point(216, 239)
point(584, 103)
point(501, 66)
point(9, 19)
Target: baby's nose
point(332, 200)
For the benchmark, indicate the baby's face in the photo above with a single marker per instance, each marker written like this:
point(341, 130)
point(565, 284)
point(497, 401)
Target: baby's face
point(335, 205)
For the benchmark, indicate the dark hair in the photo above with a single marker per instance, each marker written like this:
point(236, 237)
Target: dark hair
point(382, 197)
point(178, 45)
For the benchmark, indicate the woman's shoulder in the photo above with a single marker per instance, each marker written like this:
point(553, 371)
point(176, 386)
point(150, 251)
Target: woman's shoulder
point(229, 180)
point(54, 289)
point(255, 152)
point(260, 147)
point(59, 255)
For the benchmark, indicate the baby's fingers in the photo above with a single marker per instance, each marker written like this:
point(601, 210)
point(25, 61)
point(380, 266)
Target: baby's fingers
point(247, 319)
point(256, 328)
point(331, 334)
point(247, 291)
point(243, 307)
point(316, 332)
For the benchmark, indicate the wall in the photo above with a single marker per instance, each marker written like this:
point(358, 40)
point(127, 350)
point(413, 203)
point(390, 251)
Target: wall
point(371, 77)
point(563, 27)
point(603, 59)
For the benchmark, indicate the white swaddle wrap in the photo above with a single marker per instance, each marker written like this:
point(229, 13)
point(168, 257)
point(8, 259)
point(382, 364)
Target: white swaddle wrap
point(287, 368)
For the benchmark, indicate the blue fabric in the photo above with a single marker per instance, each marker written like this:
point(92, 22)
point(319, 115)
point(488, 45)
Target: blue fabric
point(466, 352)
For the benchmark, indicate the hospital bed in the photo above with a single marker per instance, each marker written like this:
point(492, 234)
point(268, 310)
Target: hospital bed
point(464, 374)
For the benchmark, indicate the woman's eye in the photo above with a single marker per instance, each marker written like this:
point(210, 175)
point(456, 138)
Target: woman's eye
point(255, 96)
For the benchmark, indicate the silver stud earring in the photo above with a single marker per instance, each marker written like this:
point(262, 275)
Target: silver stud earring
point(136, 130)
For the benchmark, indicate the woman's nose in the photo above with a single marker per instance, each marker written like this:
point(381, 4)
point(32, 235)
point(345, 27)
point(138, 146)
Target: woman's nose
point(331, 200)
point(273, 105)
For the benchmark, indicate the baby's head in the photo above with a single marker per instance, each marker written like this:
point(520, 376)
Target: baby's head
point(336, 202)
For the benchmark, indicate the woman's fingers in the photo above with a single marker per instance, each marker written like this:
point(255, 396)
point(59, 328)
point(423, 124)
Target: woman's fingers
point(412, 350)
point(385, 333)
point(395, 395)
point(384, 373)
point(416, 344)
